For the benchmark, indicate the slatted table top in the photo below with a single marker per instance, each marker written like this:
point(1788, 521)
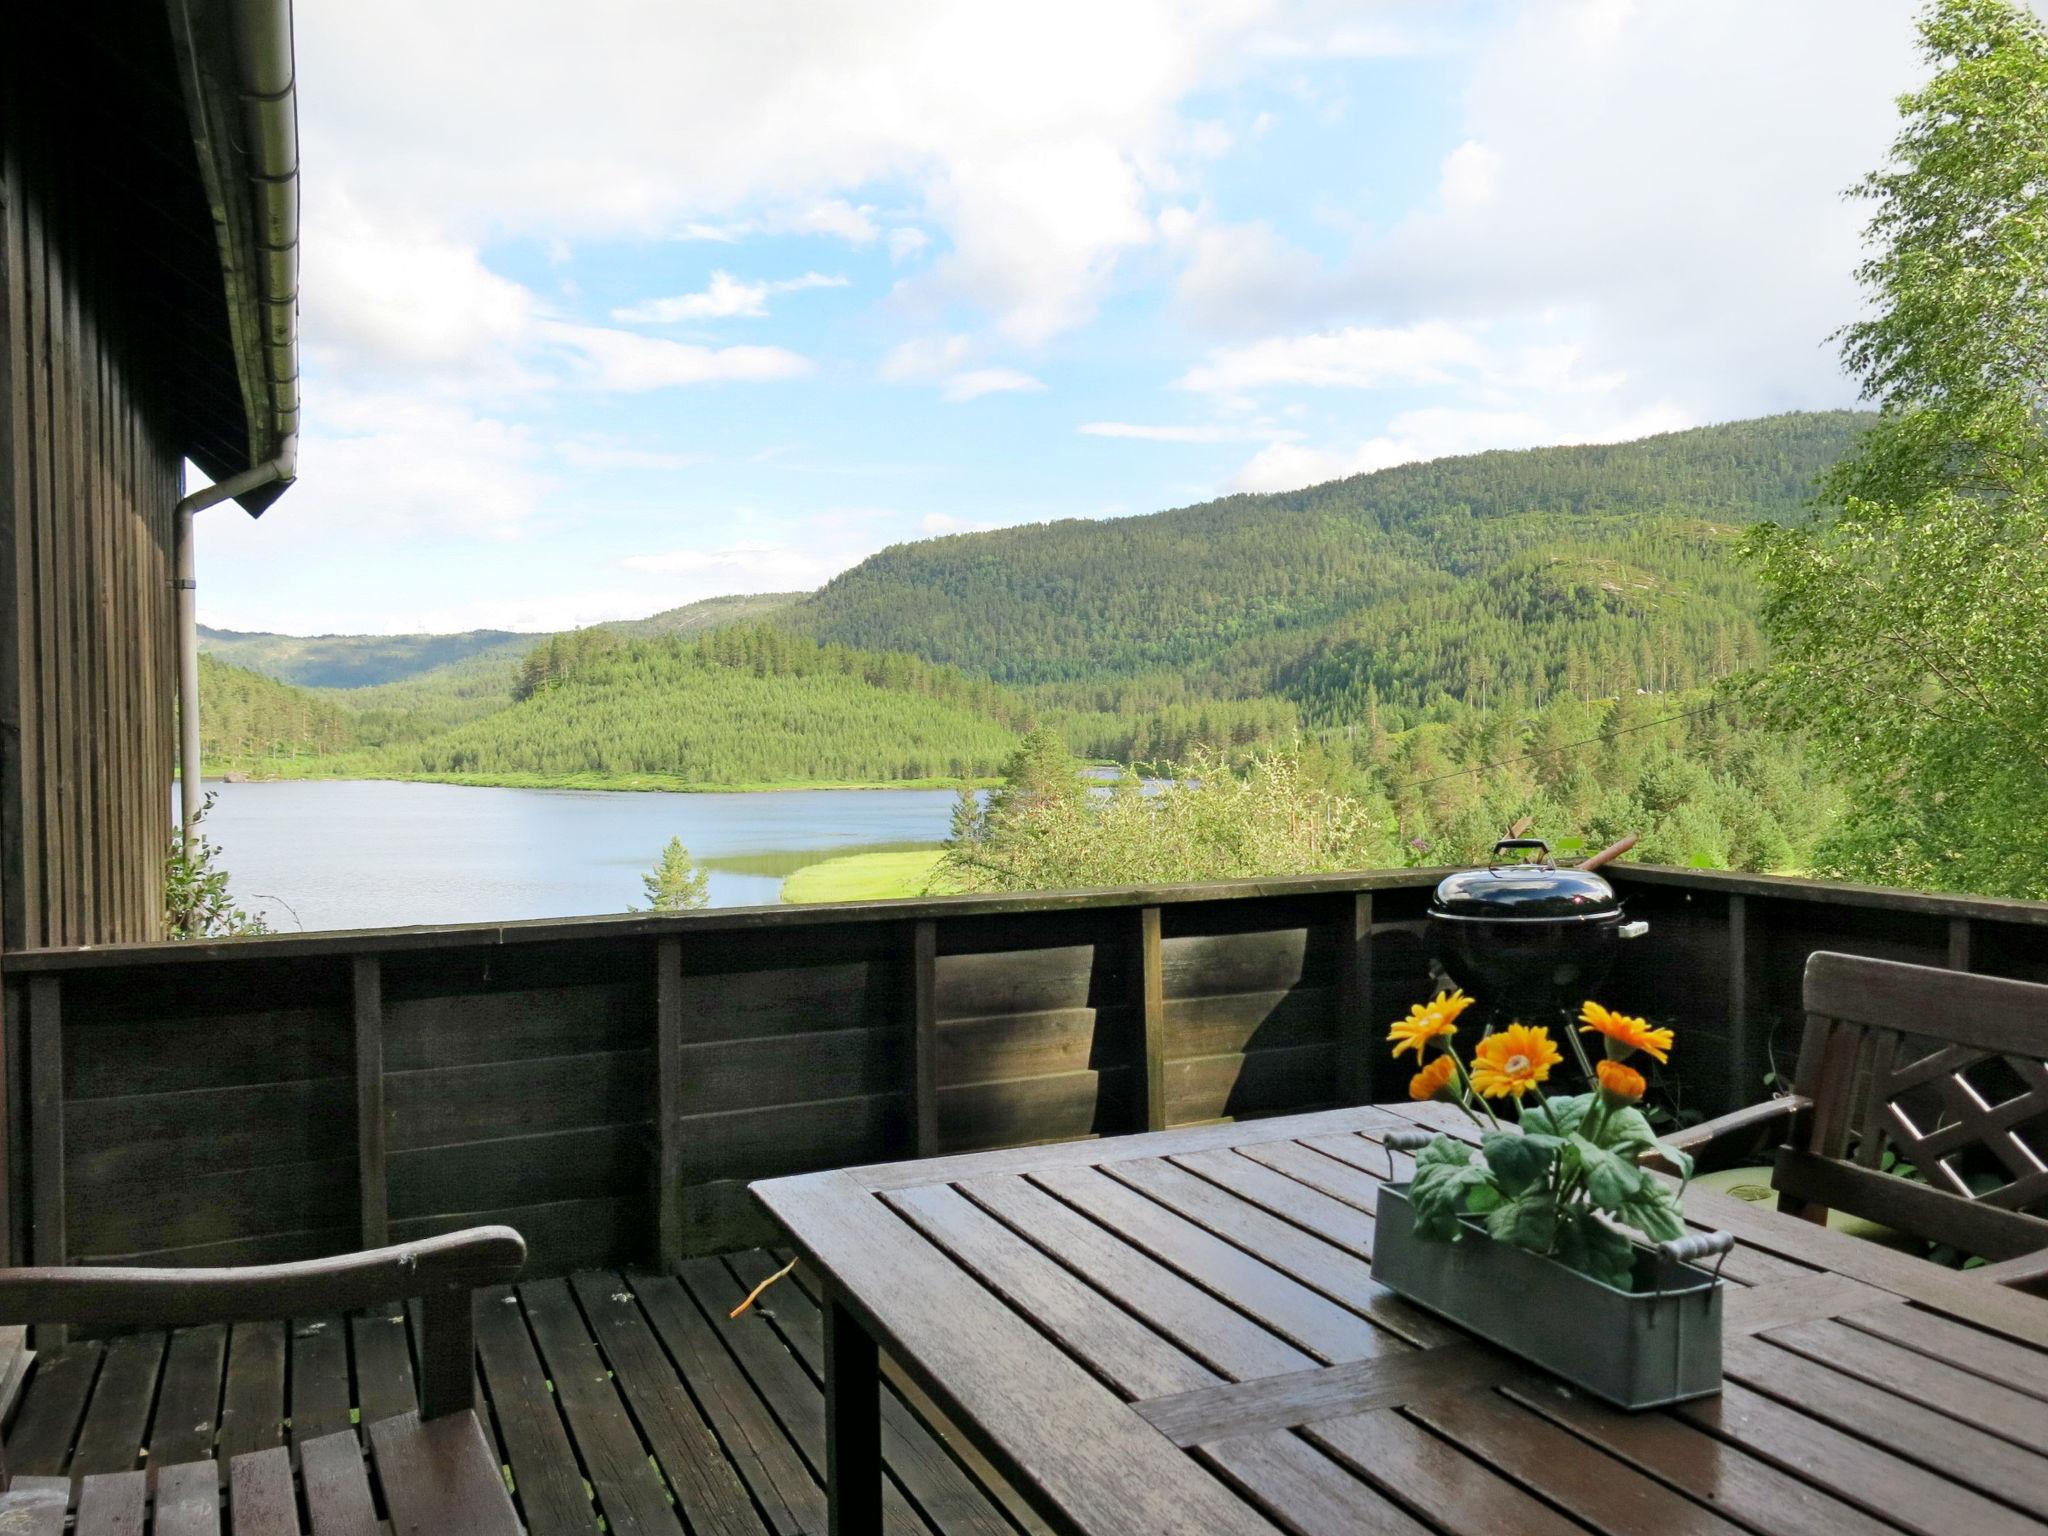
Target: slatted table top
point(1179, 1332)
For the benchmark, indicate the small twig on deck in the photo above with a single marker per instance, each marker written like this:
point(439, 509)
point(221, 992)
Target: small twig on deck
point(757, 1290)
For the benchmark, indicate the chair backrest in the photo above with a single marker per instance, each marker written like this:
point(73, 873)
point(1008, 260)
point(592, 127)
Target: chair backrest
point(441, 1271)
point(1943, 1070)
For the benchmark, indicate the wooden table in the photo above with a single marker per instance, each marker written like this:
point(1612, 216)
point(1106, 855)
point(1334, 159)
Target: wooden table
point(1179, 1333)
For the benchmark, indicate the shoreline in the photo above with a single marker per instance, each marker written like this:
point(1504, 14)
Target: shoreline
point(636, 783)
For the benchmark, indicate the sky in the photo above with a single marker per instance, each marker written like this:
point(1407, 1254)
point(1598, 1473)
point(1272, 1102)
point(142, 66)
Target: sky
point(612, 307)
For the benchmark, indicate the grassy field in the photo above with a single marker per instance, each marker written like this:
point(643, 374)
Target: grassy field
point(864, 877)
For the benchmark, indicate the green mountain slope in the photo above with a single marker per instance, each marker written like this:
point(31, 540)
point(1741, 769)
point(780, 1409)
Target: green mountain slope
point(1477, 577)
point(353, 661)
point(247, 720)
point(449, 661)
point(750, 704)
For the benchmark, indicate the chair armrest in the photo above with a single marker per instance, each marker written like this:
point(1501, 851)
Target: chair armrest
point(1695, 1137)
point(110, 1296)
point(2028, 1273)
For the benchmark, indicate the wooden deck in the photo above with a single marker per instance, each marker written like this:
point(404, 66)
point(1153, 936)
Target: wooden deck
point(626, 1397)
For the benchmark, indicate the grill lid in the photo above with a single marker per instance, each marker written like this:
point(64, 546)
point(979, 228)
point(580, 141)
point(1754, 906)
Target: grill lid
point(1511, 891)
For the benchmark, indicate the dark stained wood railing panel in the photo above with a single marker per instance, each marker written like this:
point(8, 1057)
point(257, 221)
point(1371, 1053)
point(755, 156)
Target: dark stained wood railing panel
point(206, 1102)
point(1251, 994)
point(1039, 1030)
point(199, 1127)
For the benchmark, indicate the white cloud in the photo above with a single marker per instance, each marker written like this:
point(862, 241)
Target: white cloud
point(724, 297)
point(1471, 177)
point(623, 362)
point(906, 241)
point(1211, 432)
point(976, 382)
point(754, 566)
point(1413, 436)
point(1358, 357)
point(922, 359)
point(1034, 149)
point(610, 453)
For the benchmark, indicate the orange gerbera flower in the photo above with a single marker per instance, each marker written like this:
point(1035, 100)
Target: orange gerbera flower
point(1622, 1084)
point(1428, 1021)
point(1625, 1034)
point(1435, 1081)
point(1513, 1061)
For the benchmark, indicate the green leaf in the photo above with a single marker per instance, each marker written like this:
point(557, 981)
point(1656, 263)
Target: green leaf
point(1592, 1247)
point(1444, 1171)
point(1561, 1119)
point(1481, 1198)
point(1625, 1129)
point(1628, 1193)
point(1611, 1180)
point(1528, 1222)
point(1682, 1161)
point(1518, 1162)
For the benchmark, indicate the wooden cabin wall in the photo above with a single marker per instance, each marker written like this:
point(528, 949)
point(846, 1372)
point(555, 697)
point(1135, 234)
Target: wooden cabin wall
point(610, 1086)
point(87, 484)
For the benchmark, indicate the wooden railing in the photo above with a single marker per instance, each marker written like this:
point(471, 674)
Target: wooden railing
point(610, 1085)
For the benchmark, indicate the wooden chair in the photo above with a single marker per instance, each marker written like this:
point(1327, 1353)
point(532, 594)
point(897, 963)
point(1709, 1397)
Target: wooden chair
point(436, 1468)
point(1945, 1070)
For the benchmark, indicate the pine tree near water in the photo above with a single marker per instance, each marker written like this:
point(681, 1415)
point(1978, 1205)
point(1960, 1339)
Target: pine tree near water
point(676, 884)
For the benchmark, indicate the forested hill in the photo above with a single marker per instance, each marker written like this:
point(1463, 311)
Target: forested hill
point(368, 661)
point(1505, 574)
point(749, 704)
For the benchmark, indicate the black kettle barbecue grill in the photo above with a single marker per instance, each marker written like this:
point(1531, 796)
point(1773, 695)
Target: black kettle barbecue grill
point(1528, 938)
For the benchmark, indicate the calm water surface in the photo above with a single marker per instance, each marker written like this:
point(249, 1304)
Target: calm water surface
point(371, 854)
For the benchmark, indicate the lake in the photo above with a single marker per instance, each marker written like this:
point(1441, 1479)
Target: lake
point(374, 854)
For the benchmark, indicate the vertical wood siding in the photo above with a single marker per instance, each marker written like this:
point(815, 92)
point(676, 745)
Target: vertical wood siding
point(87, 659)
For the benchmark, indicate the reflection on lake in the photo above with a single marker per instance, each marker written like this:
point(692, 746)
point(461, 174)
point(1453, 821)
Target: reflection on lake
point(373, 853)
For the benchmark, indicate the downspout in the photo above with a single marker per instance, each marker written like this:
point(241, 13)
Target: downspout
point(191, 800)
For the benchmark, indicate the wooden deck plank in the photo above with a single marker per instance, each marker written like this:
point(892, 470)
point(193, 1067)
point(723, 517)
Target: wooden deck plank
point(188, 1500)
point(35, 1506)
point(337, 1486)
point(630, 1494)
point(767, 1462)
point(188, 1400)
point(320, 1394)
point(382, 1352)
point(261, 1500)
point(935, 1482)
point(252, 1406)
point(712, 1497)
point(546, 1481)
point(40, 1445)
point(785, 1385)
point(112, 1504)
point(439, 1478)
point(117, 1419)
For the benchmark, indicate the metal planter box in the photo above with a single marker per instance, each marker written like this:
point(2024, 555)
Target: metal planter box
point(1635, 1349)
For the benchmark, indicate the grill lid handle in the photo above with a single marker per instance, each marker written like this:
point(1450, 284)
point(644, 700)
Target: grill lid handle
point(1542, 848)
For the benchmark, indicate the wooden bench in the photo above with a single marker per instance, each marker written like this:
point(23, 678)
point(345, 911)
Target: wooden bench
point(435, 1468)
point(1942, 1069)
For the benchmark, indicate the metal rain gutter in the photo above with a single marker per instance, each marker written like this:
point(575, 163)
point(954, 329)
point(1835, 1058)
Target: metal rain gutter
point(265, 83)
point(265, 79)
